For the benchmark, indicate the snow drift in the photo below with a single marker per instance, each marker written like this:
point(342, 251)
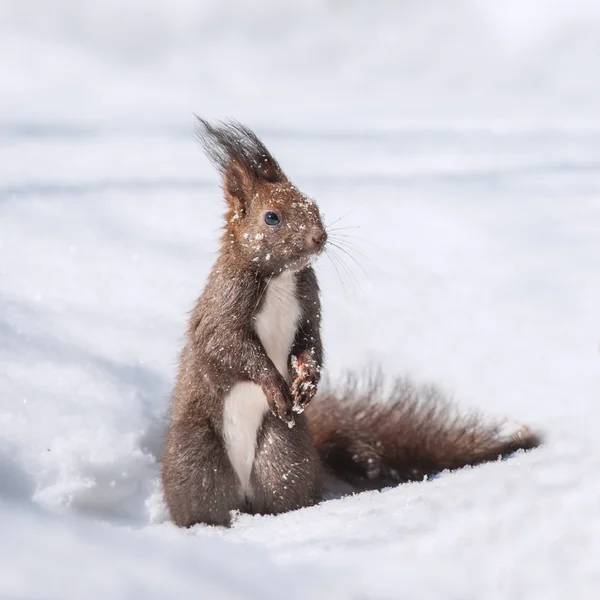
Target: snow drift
point(463, 141)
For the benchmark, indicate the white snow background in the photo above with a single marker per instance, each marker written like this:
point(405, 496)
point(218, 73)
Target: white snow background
point(463, 139)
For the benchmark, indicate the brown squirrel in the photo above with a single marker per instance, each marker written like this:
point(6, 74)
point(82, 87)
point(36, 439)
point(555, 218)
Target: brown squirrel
point(248, 432)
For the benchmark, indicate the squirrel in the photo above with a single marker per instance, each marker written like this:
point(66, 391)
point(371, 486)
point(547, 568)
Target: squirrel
point(248, 431)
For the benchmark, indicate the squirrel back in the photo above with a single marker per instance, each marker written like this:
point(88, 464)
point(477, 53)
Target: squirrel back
point(239, 437)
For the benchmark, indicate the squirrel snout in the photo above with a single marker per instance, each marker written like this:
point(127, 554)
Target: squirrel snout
point(318, 237)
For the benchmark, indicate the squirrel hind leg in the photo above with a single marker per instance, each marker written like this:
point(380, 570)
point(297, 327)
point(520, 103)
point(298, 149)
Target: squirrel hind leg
point(287, 471)
point(200, 485)
point(360, 465)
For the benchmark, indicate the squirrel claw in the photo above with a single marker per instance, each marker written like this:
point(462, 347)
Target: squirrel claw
point(284, 414)
point(303, 390)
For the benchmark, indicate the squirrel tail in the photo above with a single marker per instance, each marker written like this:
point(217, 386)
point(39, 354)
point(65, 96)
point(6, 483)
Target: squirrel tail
point(371, 436)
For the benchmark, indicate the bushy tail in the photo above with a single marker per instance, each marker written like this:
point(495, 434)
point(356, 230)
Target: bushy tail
point(371, 436)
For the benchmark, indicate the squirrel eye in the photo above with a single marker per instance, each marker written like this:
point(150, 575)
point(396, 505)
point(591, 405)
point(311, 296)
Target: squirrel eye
point(272, 219)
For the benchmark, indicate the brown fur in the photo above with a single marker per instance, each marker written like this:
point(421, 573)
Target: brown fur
point(373, 437)
point(361, 437)
point(223, 347)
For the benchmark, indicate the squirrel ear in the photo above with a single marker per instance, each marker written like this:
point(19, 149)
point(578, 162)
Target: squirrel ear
point(237, 185)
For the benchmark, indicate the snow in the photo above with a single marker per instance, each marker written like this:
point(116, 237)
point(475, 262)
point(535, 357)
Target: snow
point(460, 145)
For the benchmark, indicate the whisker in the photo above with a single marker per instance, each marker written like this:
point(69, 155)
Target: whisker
point(330, 256)
point(344, 216)
point(354, 248)
point(349, 243)
point(351, 276)
point(354, 237)
point(342, 249)
point(343, 228)
point(336, 260)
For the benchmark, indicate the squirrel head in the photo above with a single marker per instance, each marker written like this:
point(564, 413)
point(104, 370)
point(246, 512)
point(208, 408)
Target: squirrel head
point(270, 224)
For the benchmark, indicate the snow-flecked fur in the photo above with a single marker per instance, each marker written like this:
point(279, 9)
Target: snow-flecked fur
point(372, 435)
point(239, 437)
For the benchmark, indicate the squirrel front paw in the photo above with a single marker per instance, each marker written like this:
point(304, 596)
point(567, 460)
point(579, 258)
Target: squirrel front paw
point(304, 386)
point(280, 400)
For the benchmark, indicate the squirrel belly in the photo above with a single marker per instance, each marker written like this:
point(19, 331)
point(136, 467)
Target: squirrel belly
point(246, 405)
point(251, 367)
point(243, 413)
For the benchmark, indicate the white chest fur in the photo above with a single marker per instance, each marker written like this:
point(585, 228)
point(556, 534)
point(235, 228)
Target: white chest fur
point(277, 321)
point(246, 404)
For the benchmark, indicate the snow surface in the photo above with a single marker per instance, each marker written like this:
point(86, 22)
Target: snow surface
point(461, 141)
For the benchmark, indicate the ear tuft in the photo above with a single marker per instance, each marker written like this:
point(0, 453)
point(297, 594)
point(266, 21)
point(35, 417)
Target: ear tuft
point(241, 157)
point(231, 142)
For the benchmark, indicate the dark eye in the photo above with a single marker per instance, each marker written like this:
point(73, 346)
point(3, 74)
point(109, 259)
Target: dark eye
point(271, 219)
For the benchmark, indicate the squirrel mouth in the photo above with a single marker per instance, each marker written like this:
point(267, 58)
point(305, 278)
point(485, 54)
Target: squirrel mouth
point(301, 262)
point(304, 257)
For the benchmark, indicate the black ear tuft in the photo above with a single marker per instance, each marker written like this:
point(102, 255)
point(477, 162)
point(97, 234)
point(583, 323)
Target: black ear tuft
point(231, 143)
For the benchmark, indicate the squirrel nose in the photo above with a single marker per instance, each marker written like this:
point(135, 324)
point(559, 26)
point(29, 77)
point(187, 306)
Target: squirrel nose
point(319, 237)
